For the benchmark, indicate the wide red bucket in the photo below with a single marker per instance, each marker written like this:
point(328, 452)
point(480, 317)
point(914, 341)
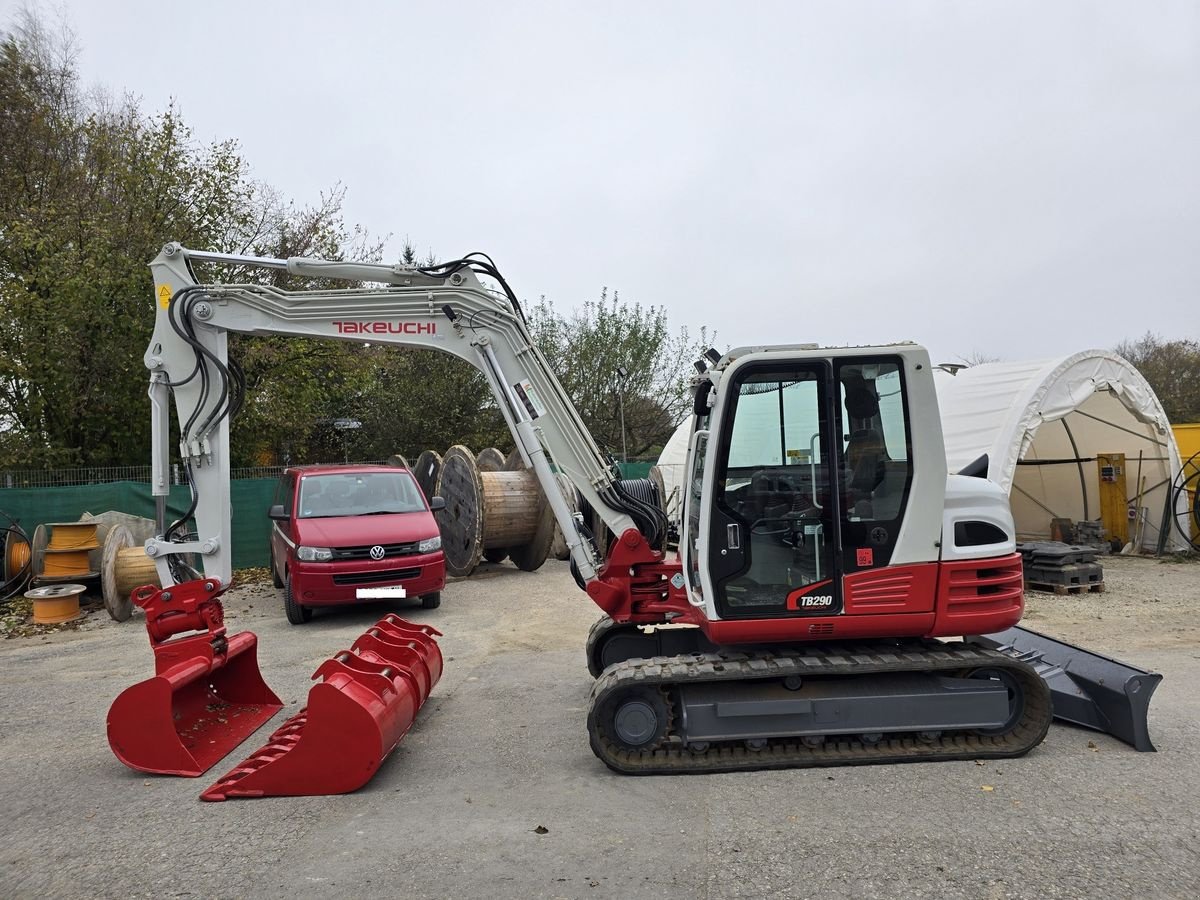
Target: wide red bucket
point(363, 705)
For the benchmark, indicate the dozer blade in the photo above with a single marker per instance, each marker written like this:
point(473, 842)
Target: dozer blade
point(1087, 688)
point(365, 702)
point(206, 697)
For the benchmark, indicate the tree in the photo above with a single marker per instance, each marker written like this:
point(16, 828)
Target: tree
point(89, 189)
point(1173, 370)
point(588, 347)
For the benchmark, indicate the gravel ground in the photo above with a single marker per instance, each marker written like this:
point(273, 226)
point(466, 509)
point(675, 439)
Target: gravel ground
point(495, 792)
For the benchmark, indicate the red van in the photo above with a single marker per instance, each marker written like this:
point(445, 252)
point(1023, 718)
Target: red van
point(343, 534)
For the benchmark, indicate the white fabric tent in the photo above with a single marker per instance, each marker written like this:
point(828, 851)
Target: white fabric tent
point(671, 462)
point(1041, 424)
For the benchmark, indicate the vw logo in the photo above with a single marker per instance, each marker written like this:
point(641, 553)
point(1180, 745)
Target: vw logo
point(377, 552)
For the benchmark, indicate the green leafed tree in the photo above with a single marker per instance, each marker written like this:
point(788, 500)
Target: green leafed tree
point(90, 188)
point(589, 346)
point(1172, 367)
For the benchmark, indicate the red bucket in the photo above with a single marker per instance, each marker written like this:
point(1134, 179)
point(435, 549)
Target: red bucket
point(207, 695)
point(363, 705)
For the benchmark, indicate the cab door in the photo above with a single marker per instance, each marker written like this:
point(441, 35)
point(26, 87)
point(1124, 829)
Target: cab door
point(774, 517)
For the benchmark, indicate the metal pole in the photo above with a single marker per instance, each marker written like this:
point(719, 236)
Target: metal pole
point(622, 375)
point(621, 404)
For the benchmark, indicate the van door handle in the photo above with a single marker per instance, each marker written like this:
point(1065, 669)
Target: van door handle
point(733, 537)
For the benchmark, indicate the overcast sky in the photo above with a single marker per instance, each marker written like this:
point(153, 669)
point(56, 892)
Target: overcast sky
point(1015, 179)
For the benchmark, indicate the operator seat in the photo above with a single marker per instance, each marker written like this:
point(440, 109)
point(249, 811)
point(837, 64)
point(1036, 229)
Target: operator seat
point(866, 451)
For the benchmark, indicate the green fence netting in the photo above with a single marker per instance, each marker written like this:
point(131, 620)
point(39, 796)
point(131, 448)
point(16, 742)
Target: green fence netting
point(249, 501)
point(635, 469)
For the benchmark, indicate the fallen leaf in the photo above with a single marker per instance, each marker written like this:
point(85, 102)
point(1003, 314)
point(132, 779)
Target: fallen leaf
point(1092, 746)
point(541, 829)
point(980, 762)
point(988, 788)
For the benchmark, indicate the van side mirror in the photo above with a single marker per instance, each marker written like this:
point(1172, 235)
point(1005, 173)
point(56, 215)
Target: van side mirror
point(276, 512)
point(437, 503)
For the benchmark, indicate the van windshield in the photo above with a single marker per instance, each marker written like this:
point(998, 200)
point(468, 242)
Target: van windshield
point(358, 494)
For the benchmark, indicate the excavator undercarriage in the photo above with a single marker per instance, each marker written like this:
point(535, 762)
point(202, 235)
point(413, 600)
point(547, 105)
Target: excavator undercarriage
point(901, 701)
point(668, 701)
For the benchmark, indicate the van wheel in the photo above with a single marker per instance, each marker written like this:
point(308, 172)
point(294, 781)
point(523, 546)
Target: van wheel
point(431, 601)
point(296, 614)
point(275, 579)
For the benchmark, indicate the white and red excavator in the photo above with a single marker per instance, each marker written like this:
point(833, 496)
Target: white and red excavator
point(825, 551)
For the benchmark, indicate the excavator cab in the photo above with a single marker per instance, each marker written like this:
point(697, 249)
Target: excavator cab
point(801, 473)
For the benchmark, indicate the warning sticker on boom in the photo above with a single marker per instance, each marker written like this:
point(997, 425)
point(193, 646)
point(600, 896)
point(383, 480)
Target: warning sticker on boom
point(164, 295)
point(530, 399)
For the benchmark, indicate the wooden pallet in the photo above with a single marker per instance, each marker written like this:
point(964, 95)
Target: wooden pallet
point(1091, 587)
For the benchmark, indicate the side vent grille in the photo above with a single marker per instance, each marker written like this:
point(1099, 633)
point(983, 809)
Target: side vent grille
point(821, 628)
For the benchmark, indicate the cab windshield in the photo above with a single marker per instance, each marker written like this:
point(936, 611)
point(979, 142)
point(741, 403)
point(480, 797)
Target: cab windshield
point(358, 494)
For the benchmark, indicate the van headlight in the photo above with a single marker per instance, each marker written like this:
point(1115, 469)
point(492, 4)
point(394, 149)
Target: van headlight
point(314, 554)
point(430, 544)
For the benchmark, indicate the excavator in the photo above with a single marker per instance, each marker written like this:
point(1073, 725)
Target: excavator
point(838, 596)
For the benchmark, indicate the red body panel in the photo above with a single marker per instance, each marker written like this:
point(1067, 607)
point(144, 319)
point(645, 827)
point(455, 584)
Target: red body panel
point(943, 599)
point(816, 628)
point(979, 596)
point(894, 589)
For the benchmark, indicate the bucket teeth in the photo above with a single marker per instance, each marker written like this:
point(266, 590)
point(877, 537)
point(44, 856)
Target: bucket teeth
point(364, 702)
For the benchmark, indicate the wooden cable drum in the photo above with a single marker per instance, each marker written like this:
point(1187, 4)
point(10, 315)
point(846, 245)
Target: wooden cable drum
point(37, 549)
point(397, 461)
point(530, 555)
point(427, 469)
point(124, 568)
point(558, 545)
point(488, 511)
point(490, 460)
point(660, 486)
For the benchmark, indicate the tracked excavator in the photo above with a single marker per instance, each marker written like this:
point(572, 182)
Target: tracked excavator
point(838, 596)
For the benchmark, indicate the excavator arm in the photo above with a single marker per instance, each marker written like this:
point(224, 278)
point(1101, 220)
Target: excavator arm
point(445, 307)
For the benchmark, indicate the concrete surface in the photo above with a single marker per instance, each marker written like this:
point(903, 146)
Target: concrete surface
point(500, 749)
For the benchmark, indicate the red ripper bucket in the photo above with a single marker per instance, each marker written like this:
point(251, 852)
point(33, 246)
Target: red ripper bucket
point(207, 694)
point(363, 705)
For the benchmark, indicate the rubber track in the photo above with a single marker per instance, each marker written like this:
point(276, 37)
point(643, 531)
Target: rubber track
point(673, 758)
point(596, 633)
